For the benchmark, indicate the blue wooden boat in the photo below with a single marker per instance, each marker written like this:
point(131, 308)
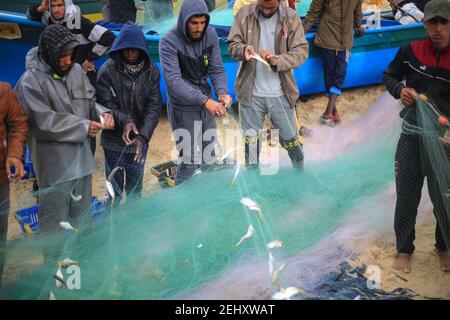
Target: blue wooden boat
point(370, 56)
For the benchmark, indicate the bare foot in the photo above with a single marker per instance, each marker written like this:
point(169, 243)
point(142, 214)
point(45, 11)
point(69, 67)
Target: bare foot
point(402, 263)
point(444, 260)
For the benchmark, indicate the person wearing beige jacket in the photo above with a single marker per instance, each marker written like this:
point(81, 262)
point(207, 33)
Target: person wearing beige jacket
point(276, 33)
point(337, 20)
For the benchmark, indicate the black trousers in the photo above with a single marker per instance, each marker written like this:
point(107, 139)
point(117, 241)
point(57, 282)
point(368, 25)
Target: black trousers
point(411, 167)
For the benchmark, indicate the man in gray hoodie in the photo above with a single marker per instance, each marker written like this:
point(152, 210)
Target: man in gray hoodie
point(190, 54)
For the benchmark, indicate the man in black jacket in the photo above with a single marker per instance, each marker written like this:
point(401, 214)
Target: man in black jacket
point(424, 65)
point(128, 84)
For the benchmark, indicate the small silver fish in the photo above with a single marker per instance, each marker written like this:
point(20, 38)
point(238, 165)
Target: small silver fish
point(250, 231)
point(260, 59)
point(252, 206)
point(286, 294)
point(76, 198)
point(271, 264)
point(67, 226)
point(65, 263)
point(236, 173)
point(227, 154)
point(200, 246)
point(277, 273)
point(274, 244)
point(51, 296)
point(59, 278)
point(110, 188)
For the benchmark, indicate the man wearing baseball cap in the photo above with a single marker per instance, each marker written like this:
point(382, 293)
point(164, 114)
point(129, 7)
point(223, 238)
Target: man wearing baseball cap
point(422, 66)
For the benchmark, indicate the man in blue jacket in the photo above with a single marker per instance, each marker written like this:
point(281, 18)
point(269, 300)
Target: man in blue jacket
point(190, 54)
point(128, 84)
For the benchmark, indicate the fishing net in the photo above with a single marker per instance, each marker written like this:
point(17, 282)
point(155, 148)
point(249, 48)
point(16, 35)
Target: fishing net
point(435, 160)
point(188, 241)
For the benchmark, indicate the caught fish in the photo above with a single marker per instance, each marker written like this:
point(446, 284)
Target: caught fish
point(260, 59)
point(51, 296)
point(271, 264)
point(236, 173)
point(286, 294)
point(252, 206)
point(226, 155)
point(274, 244)
point(276, 275)
point(110, 188)
point(249, 202)
point(76, 198)
point(249, 233)
point(358, 297)
point(67, 226)
point(59, 278)
point(102, 120)
point(65, 263)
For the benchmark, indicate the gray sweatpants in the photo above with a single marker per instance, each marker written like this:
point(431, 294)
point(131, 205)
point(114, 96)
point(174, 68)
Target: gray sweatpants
point(4, 210)
point(195, 135)
point(283, 117)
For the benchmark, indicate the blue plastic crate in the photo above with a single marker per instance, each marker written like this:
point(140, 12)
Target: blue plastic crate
point(29, 216)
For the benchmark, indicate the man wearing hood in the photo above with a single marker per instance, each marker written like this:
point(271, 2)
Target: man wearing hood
point(128, 85)
point(59, 102)
point(94, 39)
point(190, 54)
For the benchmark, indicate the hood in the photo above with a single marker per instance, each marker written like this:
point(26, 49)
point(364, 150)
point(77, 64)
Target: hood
point(71, 11)
point(54, 41)
point(131, 36)
point(191, 8)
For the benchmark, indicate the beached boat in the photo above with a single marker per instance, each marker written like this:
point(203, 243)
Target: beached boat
point(370, 56)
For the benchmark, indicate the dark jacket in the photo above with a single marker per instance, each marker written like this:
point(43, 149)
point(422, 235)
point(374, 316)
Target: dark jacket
point(337, 19)
point(135, 99)
point(94, 39)
point(178, 53)
point(13, 128)
point(424, 68)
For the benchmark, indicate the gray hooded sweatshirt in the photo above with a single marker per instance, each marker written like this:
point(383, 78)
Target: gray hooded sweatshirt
point(187, 64)
point(59, 110)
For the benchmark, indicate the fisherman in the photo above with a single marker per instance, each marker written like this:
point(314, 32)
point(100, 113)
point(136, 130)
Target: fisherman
point(59, 102)
point(425, 65)
point(128, 85)
point(276, 33)
point(13, 136)
point(334, 37)
point(190, 54)
point(94, 39)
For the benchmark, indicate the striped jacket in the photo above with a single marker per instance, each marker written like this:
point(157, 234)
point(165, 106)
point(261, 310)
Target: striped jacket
point(94, 39)
point(422, 66)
